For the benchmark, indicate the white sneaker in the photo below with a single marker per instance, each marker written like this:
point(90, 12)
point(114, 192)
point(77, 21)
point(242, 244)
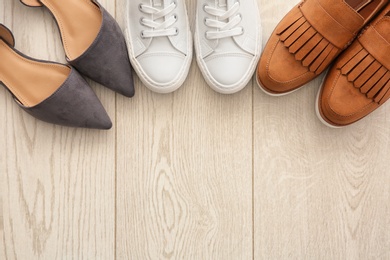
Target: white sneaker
point(227, 42)
point(159, 41)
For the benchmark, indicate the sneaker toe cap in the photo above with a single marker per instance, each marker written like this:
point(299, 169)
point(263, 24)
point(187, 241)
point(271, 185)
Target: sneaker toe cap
point(229, 71)
point(163, 70)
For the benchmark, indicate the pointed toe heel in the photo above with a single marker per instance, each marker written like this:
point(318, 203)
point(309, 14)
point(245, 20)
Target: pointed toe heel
point(93, 41)
point(51, 92)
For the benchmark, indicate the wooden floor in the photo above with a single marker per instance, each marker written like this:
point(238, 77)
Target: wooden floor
point(190, 175)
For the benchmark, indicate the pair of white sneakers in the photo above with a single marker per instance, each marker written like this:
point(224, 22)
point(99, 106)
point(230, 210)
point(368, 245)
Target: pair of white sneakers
point(227, 42)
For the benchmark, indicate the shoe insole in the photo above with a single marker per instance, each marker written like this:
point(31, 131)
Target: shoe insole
point(79, 22)
point(31, 82)
point(364, 7)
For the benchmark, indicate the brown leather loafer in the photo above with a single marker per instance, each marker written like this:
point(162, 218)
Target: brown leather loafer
point(308, 39)
point(359, 81)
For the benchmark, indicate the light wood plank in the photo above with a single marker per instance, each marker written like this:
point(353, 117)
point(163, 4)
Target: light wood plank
point(2, 158)
point(320, 193)
point(184, 172)
point(2, 170)
point(59, 183)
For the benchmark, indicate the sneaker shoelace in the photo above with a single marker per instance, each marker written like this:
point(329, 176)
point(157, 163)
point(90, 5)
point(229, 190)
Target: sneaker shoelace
point(224, 29)
point(158, 29)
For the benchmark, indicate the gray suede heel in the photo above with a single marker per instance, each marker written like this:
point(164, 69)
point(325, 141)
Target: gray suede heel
point(72, 103)
point(106, 60)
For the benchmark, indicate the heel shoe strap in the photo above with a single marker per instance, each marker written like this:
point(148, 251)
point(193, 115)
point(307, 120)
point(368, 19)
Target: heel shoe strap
point(6, 35)
point(32, 3)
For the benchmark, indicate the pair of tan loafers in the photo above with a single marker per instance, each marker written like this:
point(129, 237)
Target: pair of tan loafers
point(56, 93)
point(354, 34)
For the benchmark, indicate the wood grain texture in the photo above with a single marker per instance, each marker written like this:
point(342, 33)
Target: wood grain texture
point(59, 183)
point(173, 178)
point(184, 190)
point(3, 158)
point(320, 193)
point(2, 245)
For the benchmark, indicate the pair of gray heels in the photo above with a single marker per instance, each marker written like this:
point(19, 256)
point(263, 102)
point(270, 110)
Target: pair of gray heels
point(57, 93)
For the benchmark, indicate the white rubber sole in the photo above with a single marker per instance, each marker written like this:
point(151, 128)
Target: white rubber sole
point(317, 107)
point(245, 79)
point(146, 80)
